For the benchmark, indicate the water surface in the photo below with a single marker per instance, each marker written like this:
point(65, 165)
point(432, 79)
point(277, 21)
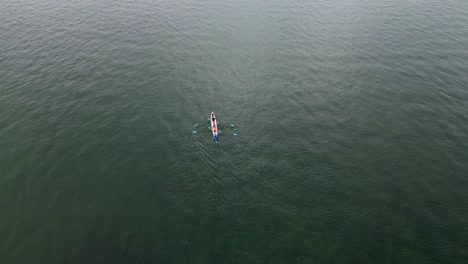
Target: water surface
point(352, 123)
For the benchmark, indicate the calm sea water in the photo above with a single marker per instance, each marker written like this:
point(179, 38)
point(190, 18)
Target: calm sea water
point(351, 119)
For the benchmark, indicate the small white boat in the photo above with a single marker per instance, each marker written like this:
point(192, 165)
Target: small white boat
point(214, 126)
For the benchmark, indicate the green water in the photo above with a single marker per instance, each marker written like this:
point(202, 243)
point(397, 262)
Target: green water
point(352, 123)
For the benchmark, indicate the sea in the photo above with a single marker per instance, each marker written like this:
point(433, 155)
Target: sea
point(344, 131)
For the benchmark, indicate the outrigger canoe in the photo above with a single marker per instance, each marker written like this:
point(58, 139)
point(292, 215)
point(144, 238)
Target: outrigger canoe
point(214, 126)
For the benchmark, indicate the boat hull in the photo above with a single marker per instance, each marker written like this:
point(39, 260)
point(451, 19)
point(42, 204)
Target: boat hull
point(214, 127)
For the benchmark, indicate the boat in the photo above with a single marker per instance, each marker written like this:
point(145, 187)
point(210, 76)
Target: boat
point(214, 126)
